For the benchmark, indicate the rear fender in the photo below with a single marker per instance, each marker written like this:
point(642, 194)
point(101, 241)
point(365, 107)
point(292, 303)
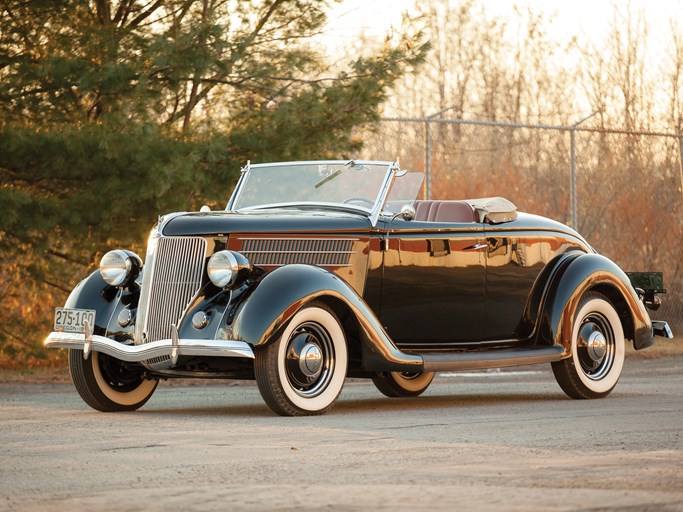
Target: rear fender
point(533, 321)
point(592, 272)
point(284, 291)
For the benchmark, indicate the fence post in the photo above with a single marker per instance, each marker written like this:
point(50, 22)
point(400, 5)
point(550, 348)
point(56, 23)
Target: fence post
point(428, 161)
point(428, 151)
point(680, 160)
point(572, 183)
point(572, 163)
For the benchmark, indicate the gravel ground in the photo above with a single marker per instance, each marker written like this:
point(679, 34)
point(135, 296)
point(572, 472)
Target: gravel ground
point(496, 440)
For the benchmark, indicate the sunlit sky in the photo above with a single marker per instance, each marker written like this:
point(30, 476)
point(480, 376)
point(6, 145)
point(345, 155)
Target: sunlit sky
point(583, 18)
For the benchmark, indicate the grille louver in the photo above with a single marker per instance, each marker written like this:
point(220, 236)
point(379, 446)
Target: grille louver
point(324, 252)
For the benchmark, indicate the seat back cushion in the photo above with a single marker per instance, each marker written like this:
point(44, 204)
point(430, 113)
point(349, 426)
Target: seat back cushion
point(444, 211)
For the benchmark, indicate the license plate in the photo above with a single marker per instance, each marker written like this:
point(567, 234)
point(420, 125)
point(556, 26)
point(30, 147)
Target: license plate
point(73, 320)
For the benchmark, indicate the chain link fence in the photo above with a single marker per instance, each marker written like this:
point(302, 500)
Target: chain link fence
point(621, 190)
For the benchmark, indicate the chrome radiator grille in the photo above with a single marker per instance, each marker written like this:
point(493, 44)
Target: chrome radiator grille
point(324, 252)
point(172, 279)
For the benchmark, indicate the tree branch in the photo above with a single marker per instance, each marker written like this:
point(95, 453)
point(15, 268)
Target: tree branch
point(103, 8)
point(64, 256)
point(56, 285)
point(122, 12)
point(16, 338)
point(145, 14)
point(264, 20)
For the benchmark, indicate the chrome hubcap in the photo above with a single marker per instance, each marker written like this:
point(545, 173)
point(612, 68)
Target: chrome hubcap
point(595, 346)
point(309, 359)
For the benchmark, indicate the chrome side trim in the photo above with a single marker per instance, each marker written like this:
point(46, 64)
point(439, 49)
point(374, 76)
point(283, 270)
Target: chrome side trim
point(159, 348)
point(476, 247)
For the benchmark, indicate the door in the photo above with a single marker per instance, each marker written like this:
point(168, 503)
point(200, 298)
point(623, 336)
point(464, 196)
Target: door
point(433, 288)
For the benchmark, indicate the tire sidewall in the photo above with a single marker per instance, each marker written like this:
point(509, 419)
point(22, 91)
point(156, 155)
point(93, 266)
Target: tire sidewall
point(127, 399)
point(413, 385)
point(327, 397)
point(601, 306)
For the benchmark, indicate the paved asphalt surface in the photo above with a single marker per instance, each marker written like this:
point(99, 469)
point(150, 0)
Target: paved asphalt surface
point(506, 440)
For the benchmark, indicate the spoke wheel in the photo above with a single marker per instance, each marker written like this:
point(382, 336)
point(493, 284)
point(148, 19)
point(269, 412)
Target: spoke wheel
point(403, 384)
point(108, 384)
point(303, 372)
point(597, 351)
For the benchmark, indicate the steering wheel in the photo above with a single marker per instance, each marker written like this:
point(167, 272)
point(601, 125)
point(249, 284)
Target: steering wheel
point(359, 199)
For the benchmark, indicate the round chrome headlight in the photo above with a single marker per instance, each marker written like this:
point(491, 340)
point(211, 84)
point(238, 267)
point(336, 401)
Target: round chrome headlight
point(116, 267)
point(228, 268)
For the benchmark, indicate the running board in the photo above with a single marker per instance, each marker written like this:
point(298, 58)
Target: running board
point(493, 359)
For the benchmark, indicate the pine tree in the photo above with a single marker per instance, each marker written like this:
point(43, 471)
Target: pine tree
point(115, 111)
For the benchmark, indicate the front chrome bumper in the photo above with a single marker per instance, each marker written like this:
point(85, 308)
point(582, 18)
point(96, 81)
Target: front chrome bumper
point(135, 353)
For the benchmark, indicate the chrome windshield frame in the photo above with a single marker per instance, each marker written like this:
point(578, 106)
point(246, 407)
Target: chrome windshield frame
point(373, 214)
point(238, 187)
point(383, 193)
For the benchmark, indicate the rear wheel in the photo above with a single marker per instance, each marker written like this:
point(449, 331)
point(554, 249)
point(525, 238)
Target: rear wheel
point(597, 351)
point(108, 384)
point(402, 384)
point(303, 372)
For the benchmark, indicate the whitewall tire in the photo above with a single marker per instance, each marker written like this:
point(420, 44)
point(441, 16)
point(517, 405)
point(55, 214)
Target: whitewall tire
point(303, 372)
point(597, 350)
point(402, 384)
point(108, 384)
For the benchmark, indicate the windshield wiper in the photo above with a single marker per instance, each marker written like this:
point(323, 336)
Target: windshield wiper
point(328, 178)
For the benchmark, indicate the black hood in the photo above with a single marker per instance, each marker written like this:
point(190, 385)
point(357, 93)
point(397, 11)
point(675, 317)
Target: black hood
point(264, 221)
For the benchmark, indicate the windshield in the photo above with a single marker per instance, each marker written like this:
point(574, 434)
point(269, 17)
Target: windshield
point(404, 190)
point(361, 186)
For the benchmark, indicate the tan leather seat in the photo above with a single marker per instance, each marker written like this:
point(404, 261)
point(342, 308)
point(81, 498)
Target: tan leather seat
point(444, 211)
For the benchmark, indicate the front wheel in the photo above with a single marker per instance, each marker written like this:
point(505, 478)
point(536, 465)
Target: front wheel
point(108, 384)
point(302, 373)
point(597, 351)
point(402, 384)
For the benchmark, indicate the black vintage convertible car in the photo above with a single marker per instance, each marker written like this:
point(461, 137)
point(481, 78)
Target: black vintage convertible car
point(321, 270)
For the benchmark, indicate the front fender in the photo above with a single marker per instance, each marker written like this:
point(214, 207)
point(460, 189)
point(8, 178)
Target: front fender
point(593, 272)
point(281, 293)
point(94, 293)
